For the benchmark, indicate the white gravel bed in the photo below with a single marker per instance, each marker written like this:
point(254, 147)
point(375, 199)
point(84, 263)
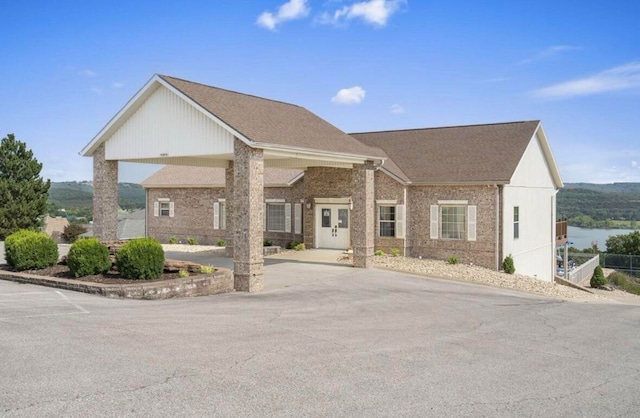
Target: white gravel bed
point(185, 248)
point(474, 274)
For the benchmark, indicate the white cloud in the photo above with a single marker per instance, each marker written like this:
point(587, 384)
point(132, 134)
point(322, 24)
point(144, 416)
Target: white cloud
point(635, 164)
point(96, 90)
point(374, 12)
point(353, 95)
point(396, 109)
point(88, 73)
point(293, 9)
point(549, 52)
point(624, 77)
point(117, 85)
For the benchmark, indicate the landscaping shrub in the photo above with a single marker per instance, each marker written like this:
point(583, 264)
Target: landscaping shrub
point(624, 282)
point(88, 256)
point(71, 232)
point(206, 269)
point(140, 259)
point(192, 241)
point(597, 280)
point(452, 260)
point(183, 273)
point(266, 243)
point(394, 251)
point(300, 247)
point(173, 240)
point(25, 250)
point(221, 243)
point(292, 244)
point(507, 265)
point(378, 253)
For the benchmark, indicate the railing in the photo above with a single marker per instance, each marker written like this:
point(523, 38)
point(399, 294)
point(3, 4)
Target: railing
point(561, 231)
point(584, 270)
point(629, 264)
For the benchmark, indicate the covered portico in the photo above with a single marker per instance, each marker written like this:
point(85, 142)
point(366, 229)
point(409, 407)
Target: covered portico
point(177, 122)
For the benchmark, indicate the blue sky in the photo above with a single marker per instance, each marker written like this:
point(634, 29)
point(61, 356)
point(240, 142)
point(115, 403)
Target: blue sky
point(69, 66)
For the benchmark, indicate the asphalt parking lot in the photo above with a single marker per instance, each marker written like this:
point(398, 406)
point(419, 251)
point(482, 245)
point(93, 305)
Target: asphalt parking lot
point(350, 342)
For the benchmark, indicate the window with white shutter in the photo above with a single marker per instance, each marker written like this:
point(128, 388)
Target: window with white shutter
point(434, 222)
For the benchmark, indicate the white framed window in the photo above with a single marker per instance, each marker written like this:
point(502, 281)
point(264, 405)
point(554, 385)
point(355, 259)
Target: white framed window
point(220, 214)
point(387, 221)
point(391, 221)
point(275, 217)
point(163, 207)
point(516, 222)
point(454, 220)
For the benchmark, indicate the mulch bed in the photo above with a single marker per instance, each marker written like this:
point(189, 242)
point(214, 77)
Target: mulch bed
point(61, 271)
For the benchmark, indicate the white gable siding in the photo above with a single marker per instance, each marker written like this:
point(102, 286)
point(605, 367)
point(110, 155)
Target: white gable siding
point(166, 124)
point(532, 190)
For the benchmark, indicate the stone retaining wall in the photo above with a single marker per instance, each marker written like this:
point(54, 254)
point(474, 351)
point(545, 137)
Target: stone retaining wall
point(220, 281)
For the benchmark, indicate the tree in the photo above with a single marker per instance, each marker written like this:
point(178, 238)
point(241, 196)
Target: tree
point(23, 193)
point(624, 244)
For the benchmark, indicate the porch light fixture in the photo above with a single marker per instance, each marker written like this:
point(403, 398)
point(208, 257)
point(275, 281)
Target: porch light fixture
point(350, 204)
point(308, 204)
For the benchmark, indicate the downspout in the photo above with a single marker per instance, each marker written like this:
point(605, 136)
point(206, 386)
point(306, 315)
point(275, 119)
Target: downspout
point(146, 213)
point(406, 220)
point(497, 245)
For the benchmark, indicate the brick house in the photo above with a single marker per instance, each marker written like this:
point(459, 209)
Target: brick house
point(241, 168)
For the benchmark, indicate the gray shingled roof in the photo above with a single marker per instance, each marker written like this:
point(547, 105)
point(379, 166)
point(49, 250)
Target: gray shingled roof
point(271, 122)
point(458, 154)
point(186, 176)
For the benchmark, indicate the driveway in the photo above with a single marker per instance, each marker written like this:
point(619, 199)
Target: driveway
point(347, 342)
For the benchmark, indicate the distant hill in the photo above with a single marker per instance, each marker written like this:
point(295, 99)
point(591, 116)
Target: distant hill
point(617, 201)
point(79, 194)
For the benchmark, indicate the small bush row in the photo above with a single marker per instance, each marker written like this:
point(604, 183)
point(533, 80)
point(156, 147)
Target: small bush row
point(29, 250)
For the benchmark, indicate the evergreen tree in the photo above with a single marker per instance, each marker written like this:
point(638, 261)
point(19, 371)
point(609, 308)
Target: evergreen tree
point(23, 193)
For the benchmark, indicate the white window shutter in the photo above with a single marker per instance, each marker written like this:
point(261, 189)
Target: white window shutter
point(216, 215)
point(171, 210)
point(400, 228)
point(434, 222)
point(287, 217)
point(264, 216)
point(156, 208)
point(297, 218)
point(471, 223)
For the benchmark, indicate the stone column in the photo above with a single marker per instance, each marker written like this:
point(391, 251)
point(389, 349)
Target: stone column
point(248, 173)
point(105, 196)
point(230, 208)
point(362, 215)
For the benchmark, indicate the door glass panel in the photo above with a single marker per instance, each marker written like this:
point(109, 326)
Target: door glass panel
point(343, 218)
point(326, 218)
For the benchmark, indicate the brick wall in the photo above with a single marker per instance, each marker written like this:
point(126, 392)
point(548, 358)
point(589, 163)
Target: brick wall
point(480, 252)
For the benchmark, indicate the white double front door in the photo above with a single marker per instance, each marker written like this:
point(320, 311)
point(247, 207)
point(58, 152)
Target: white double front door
point(332, 226)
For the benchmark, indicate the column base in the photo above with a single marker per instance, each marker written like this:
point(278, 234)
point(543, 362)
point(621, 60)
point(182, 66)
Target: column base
point(363, 258)
point(248, 277)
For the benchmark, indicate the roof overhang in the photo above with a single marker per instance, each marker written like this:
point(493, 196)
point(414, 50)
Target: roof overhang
point(541, 137)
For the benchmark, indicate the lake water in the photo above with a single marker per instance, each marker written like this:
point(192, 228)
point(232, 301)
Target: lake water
point(582, 237)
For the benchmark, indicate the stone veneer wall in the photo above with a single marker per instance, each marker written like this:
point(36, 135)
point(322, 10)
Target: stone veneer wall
point(193, 215)
point(480, 252)
point(105, 196)
point(322, 182)
point(363, 215)
point(387, 188)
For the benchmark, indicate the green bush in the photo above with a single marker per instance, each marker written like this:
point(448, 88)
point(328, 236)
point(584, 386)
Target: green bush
point(221, 243)
point(452, 260)
point(624, 282)
point(71, 232)
point(300, 247)
point(394, 251)
point(30, 250)
point(192, 241)
point(88, 256)
point(183, 273)
point(292, 244)
point(206, 269)
point(173, 239)
point(597, 280)
point(140, 259)
point(378, 253)
point(266, 243)
point(507, 265)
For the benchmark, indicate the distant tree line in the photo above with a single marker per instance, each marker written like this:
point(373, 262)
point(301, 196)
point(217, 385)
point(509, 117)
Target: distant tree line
point(588, 208)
